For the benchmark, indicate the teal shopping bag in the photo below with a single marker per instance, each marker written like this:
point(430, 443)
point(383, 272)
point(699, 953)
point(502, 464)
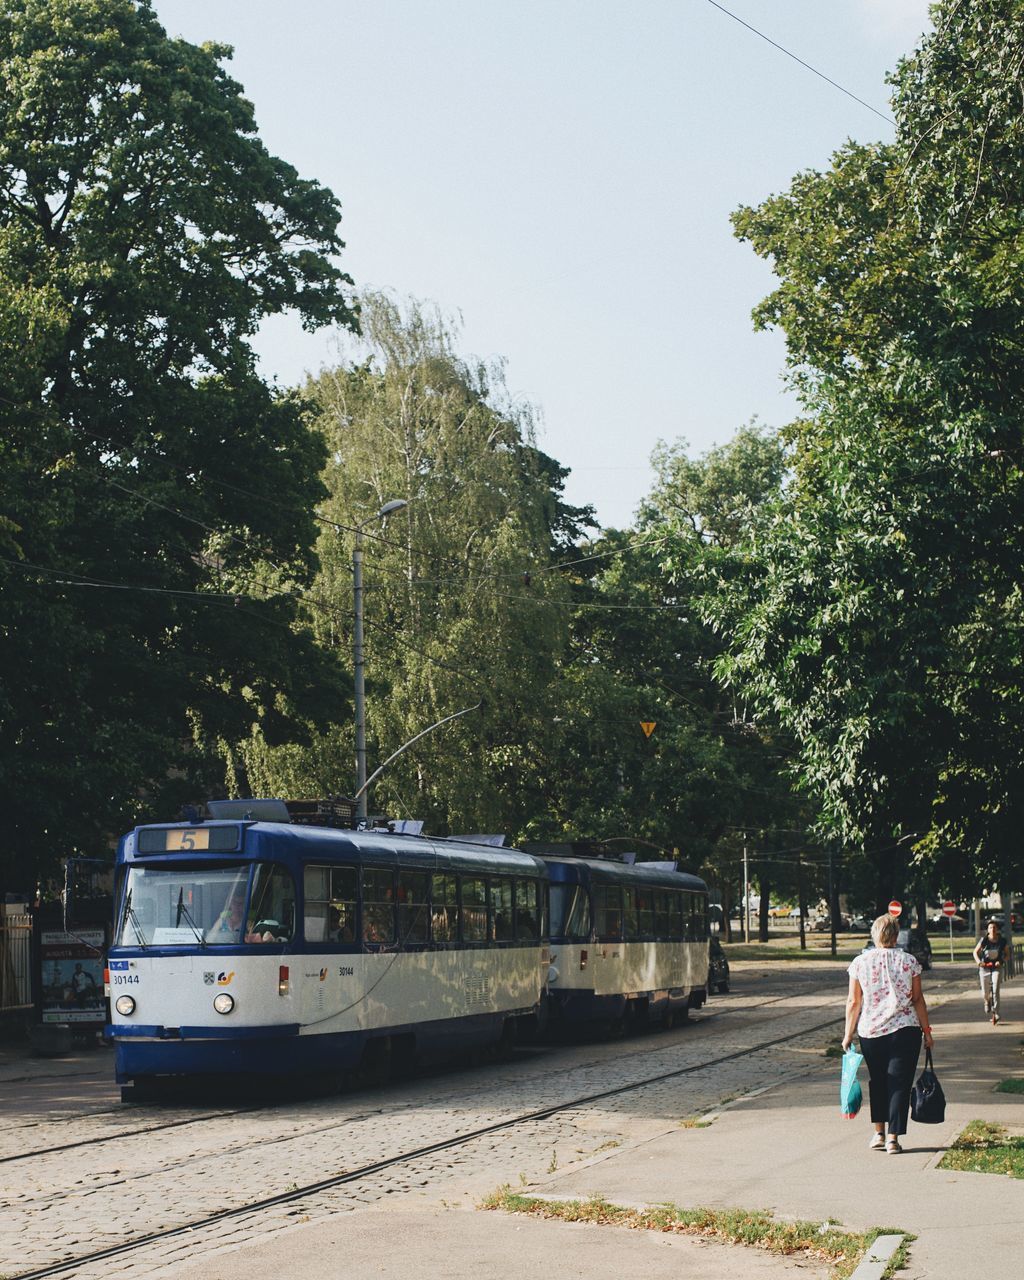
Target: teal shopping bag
point(850, 1096)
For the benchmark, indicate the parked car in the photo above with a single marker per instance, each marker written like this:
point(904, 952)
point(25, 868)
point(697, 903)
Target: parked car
point(718, 968)
point(940, 921)
point(1000, 918)
point(916, 942)
point(824, 925)
point(860, 924)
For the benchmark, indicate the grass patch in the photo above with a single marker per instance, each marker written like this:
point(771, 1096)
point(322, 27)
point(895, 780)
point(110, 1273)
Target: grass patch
point(823, 1241)
point(834, 1049)
point(692, 1122)
point(791, 951)
point(1016, 1085)
point(986, 1148)
point(787, 947)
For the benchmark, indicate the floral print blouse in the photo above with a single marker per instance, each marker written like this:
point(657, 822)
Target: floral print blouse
point(886, 975)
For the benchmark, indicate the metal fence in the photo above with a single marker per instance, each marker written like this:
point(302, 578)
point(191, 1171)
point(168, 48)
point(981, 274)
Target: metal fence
point(15, 962)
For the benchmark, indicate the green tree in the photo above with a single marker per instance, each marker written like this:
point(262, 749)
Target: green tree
point(879, 618)
point(463, 601)
point(156, 496)
point(639, 651)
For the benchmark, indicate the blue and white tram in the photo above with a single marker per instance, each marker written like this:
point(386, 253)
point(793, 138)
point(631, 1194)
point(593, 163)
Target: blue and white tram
point(627, 941)
point(258, 948)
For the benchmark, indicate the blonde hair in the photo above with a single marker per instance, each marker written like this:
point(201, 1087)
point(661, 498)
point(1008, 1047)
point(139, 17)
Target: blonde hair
point(885, 931)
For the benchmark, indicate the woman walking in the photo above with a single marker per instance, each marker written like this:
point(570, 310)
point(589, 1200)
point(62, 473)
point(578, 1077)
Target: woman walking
point(885, 1007)
point(989, 956)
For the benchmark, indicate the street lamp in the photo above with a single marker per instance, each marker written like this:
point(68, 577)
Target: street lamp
point(396, 504)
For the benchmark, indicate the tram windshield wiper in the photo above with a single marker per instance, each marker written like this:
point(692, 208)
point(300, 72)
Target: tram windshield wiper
point(133, 920)
point(184, 911)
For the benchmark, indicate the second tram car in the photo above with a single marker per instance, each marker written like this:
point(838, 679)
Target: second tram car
point(262, 948)
point(627, 941)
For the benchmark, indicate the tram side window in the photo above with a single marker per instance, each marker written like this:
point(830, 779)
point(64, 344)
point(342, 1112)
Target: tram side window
point(608, 911)
point(630, 916)
point(696, 924)
point(474, 910)
point(444, 908)
point(663, 913)
point(528, 915)
point(378, 905)
point(502, 898)
point(330, 903)
point(341, 918)
point(645, 906)
point(316, 891)
point(272, 907)
point(677, 914)
point(413, 912)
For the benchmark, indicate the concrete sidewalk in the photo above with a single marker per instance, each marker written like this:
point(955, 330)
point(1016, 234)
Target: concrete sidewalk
point(787, 1149)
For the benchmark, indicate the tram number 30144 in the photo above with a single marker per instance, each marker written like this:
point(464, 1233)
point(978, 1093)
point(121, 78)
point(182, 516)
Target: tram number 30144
point(123, 979)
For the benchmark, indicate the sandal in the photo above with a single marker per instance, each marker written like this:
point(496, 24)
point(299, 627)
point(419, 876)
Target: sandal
point(877, 1143)
point(892, 1147)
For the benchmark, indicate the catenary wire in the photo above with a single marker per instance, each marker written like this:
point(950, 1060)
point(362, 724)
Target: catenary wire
point(789, 54)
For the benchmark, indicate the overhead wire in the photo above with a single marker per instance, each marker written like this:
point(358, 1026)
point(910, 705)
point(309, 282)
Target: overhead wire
point(790, 54)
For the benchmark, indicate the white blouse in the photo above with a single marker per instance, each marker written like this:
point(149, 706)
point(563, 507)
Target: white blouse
point(886, 975)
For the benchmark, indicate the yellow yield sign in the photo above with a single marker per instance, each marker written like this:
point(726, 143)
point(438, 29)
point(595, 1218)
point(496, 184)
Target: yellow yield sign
point(648, 727)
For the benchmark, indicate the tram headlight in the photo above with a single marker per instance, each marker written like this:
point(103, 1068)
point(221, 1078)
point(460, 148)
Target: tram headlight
point(125, 1006)
point(552, 974)
point(224, 1003)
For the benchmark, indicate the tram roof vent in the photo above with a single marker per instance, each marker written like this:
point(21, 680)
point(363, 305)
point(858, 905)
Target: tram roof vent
point(265, 810)
point(335, 811)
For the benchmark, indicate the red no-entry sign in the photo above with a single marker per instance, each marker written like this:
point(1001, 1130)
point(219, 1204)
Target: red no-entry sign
point(895, 907)
point(949, 908)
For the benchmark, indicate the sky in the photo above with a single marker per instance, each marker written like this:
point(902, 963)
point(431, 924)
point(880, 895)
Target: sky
point(559, 174)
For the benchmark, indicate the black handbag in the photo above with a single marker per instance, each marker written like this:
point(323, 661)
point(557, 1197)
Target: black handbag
point(927, 1101)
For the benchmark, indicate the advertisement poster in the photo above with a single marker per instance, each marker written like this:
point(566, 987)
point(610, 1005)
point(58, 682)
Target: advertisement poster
point(72, 976)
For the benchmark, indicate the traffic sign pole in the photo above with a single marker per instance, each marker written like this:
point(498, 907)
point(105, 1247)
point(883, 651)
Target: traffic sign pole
point(949, 911)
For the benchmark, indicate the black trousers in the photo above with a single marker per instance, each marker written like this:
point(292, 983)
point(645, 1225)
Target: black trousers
point(891, 1061)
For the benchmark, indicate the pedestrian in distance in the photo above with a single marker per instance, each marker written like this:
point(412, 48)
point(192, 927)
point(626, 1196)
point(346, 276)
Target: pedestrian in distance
point(990, 956)
point(885, 1007)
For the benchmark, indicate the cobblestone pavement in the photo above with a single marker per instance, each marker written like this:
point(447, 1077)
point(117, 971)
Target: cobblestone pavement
point(69, 1203)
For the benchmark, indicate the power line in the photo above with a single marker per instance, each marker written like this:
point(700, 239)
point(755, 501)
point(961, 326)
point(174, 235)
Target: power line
point(789, 54)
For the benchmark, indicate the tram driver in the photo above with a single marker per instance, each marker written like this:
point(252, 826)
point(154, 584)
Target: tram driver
point(228, 924)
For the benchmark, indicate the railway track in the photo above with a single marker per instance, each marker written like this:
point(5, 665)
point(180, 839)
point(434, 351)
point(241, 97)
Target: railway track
point(755, 1004)
point(142, 1130)
point(311, 1189)
point(317, 1189)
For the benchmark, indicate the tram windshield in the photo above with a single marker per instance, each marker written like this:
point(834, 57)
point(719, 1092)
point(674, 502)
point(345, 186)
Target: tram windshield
point(570, 912)
point(188, 907)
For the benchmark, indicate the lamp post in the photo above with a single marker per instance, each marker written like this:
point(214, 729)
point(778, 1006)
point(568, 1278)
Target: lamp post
point(396, 504)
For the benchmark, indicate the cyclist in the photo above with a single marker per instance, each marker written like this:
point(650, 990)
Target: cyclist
point(990, 955)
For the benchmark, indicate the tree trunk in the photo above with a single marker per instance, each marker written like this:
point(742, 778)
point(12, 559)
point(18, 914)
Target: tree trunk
point(764, 888)
point(801, 905)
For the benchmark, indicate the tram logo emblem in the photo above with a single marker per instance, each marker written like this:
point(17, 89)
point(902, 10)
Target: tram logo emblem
point(208, 977)
point(323, 975)
point(224, 979)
